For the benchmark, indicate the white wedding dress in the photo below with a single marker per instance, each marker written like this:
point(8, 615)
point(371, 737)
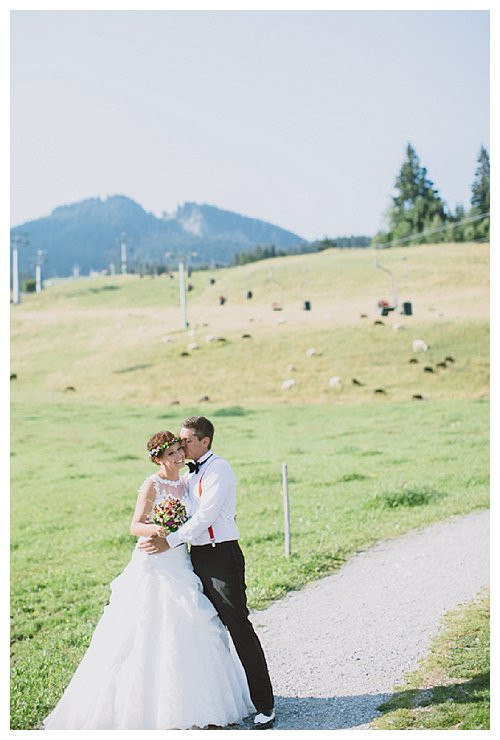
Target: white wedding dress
point(159, 658)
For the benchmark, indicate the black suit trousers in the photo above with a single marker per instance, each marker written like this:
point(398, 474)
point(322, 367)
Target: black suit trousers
point(221, 569)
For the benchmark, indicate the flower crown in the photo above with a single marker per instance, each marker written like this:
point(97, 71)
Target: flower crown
point(156, 450)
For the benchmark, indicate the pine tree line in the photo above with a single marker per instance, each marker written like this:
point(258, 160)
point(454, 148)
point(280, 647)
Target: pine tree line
point(418, 215)
point(267, 252)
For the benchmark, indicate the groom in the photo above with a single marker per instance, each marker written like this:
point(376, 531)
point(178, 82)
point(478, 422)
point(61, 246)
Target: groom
point(216, 555)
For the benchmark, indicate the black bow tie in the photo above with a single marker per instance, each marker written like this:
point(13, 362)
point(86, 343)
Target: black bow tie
point(194, 467)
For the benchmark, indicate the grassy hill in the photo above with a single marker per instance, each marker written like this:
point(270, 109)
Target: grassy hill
point(118, 339)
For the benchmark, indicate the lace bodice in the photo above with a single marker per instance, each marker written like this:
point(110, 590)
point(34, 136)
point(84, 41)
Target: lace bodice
point(164, 488)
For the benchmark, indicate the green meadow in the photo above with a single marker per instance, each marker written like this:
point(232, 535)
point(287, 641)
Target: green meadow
point(363, 466)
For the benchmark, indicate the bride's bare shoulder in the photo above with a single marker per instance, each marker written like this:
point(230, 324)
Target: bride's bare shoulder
point(147, 486)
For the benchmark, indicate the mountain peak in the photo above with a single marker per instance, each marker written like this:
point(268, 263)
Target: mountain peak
point(190, 217)
point(89, 233)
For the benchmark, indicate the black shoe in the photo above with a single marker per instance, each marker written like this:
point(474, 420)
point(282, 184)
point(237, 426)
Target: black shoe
point(264, 721)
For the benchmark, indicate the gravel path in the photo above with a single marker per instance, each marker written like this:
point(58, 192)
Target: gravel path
point(337, 648)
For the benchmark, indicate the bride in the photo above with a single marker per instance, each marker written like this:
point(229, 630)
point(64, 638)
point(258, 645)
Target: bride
point(159, 658)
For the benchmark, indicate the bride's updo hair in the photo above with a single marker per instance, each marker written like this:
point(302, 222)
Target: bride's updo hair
point(159, 442)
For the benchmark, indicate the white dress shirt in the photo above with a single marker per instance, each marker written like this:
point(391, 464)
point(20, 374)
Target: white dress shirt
point(216, 507)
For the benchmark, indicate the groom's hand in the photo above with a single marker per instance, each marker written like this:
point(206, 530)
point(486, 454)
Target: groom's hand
point(154, 545)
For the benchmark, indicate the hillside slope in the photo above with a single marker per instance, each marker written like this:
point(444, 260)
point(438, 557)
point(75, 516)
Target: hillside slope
point(120, 339)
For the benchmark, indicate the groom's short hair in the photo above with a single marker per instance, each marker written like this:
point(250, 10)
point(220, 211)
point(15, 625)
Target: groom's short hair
point(201, 426)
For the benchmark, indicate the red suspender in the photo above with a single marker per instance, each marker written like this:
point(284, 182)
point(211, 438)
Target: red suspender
point(210, 530)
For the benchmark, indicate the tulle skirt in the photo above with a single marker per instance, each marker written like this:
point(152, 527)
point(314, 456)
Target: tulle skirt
point(159, 658)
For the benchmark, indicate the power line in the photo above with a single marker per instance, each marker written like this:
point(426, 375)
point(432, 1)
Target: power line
point(426, 232)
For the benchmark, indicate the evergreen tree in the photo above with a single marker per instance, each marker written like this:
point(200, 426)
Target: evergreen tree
point(417, 205)
point(455, 231)
point(480, 200)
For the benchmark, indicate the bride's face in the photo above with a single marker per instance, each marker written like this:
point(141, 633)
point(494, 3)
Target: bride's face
point(173, 457)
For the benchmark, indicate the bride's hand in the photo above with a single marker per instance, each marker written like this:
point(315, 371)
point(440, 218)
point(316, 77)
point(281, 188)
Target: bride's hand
point(158, 531)
point(153, 545)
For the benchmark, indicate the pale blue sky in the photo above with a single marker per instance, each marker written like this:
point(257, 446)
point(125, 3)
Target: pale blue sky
point(300, 118)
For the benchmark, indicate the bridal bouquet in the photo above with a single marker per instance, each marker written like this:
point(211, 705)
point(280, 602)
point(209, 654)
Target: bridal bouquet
point(169, 514)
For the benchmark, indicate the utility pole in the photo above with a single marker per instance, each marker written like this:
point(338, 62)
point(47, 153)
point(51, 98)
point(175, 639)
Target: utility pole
point(17, 241)
point(183, 259)
point(124, 256)
point(182, 293)
point(40, 259)
point(286, 509)
point(37, 263)
point(16, 297)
